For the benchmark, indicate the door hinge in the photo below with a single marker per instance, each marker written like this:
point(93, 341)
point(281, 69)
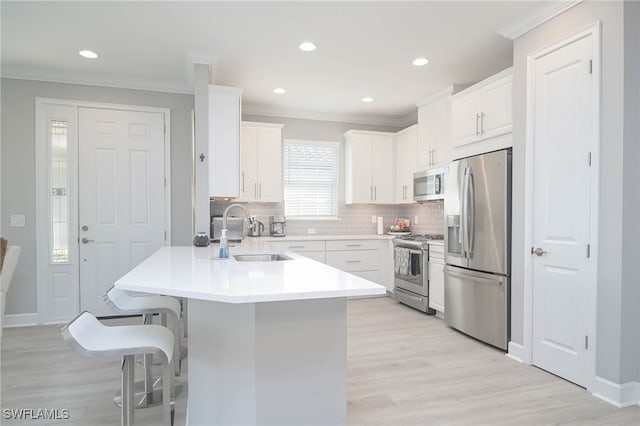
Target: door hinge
point(588, 250)
point(586, 342)
point(589, 159)
point(590, 66)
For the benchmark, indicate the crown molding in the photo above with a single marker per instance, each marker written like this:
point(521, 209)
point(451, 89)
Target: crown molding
point(320, 116)
point(532, 21)
point(74, 78)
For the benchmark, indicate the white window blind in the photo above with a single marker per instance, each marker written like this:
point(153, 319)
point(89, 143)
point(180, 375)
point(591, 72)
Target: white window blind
point(310, 179)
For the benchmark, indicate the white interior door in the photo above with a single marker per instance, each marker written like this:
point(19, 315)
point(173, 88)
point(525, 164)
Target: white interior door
point(121, 197)
point(563, 134)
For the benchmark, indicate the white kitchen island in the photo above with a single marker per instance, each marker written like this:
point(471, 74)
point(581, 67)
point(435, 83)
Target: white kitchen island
point(267, 340)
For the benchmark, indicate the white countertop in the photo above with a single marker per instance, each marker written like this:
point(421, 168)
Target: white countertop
point(326, 237)
point(195, 272)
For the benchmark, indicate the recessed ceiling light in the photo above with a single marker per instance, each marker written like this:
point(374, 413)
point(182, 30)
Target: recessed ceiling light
point(307, 46)
point(88, 54)
point(421, 61)
point(367, 99)
point(279, 91)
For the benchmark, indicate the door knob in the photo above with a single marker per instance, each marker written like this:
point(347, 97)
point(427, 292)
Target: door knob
point(538, 251)
point(85, 240)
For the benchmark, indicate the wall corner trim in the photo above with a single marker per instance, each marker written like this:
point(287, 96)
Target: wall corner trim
point(619, 395)
point(521, 27)
point(20, 320)
point(516, 352)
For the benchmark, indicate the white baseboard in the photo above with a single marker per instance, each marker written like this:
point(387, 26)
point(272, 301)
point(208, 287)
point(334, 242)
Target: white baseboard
point(516, 352)
point(19, 320)
point(620, 395)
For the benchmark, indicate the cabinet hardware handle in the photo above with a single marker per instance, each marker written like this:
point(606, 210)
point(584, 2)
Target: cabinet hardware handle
point(296, 247)
point(354, 245)
point(260, 191)
point(354, 261)
point(482, 123)
point(477, 126)
point(375, 193)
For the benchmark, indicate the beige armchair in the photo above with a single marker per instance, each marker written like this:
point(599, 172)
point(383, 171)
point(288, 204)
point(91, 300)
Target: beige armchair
point(11, 257)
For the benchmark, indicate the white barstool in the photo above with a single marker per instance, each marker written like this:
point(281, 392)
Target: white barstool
point(148, 392)
point(93, 339)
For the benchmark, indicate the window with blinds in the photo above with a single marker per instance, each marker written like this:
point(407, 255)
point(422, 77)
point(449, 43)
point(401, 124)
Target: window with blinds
point(311, 179)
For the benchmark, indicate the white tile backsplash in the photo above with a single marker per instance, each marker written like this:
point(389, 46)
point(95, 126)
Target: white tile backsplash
point(353, 219)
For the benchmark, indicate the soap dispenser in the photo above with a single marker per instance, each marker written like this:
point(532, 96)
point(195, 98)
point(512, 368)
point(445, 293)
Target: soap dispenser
point(224, 245)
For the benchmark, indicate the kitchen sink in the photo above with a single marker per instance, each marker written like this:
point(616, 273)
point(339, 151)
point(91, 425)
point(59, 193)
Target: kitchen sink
point(261, 257)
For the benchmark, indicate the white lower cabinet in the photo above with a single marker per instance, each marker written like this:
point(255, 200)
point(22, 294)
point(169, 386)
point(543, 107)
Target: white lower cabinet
point(360, 257)
point(368, 258)
point(312, 249)
point(436, 277)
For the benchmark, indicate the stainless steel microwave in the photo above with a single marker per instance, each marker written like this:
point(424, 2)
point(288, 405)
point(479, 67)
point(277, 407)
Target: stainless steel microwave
point(428, 185)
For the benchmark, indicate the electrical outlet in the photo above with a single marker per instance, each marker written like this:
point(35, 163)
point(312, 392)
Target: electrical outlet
point(311, 231)
point(415, 220)
point(374, 219)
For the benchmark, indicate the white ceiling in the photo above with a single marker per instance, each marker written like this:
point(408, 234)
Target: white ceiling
point(364, 48)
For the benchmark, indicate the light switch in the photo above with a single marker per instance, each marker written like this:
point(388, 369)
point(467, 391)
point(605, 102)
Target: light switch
point(18, 220)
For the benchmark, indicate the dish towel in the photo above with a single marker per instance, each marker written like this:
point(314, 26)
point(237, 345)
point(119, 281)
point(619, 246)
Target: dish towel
point(402, 261)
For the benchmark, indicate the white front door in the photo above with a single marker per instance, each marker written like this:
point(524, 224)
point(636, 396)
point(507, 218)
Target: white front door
point(564, 92)
point(121, 197)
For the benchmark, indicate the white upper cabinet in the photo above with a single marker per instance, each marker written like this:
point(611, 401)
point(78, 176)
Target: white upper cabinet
point(369, 167)
point(482, 116)
point(434, 130)
point(406, 163)
point(261, 165)
point(225, 110)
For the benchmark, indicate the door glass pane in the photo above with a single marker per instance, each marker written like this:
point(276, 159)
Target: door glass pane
point(59, 199)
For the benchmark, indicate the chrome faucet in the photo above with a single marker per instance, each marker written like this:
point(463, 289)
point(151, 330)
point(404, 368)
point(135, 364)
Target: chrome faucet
point(226, 212)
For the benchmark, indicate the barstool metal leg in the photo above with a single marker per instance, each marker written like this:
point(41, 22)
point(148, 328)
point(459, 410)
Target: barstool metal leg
point(168, 403)
point(128, 406)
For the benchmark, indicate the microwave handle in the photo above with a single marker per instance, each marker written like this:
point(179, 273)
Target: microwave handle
point(438, 184)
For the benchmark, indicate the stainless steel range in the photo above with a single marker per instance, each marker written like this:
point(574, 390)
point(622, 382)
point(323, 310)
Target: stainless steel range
point(411, 269)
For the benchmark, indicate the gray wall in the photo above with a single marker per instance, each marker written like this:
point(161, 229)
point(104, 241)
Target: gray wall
point(18, 166)
point(618, 305)
point(630, 356)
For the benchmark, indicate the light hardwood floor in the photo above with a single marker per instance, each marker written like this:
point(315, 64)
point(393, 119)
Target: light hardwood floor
point(404, 368)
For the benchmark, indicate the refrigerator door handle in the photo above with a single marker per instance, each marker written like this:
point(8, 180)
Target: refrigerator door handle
point(471, 187)
point(463, 214)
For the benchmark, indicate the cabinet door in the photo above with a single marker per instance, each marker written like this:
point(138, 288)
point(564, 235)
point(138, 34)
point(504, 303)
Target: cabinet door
point(249, 160)
point(360, 169)
point(224, 141)
point(383, 169)
point(269, 165)
point(465, 118)
point(442, 134)
point(496, 109)
point(406, 164)
point(436, 284)
point(426, 121)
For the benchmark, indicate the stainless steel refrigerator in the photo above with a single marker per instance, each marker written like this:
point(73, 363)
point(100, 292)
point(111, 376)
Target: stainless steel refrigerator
point(477, 208)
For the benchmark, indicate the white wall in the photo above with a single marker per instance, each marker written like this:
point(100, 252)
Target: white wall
point(18, 166)
point(618, 310)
